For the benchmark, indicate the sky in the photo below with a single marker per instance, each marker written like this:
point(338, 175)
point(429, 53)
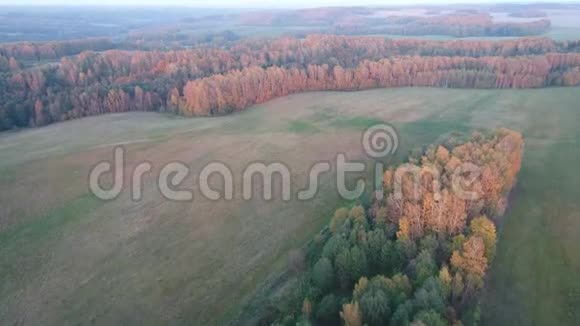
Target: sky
point(244, 3)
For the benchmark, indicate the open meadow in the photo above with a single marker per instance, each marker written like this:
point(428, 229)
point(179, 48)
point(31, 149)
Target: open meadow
point(69, 258)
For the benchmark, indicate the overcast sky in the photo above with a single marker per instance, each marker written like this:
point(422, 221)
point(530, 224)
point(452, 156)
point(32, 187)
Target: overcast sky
point(244, 3)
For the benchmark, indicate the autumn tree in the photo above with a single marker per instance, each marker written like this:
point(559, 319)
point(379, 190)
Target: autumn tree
point(472, 264)
point(351, 314)
point(340, 216)
point(485, 229)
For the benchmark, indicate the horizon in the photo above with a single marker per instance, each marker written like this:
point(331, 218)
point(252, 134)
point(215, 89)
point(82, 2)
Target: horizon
point(257, 4)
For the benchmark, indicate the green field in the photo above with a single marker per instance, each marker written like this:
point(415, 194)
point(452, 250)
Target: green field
point(68, 258)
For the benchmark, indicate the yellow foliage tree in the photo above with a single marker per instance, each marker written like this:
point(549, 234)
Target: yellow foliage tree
point(484, 228)
point(471, 261)
point(340, 215)
point(351, 314)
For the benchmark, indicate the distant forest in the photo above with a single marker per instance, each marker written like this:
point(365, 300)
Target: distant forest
point(154, 27)
point(210, 62)
point(211, 80)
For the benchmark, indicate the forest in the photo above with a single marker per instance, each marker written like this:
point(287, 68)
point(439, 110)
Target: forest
point(455, 25)
point(419, 253)
point(208, 81)
point(367, 21)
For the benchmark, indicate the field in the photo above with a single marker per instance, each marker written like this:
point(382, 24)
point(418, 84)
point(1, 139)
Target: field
point(68, 258)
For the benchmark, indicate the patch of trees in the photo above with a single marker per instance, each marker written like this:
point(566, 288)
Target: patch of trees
point(212, 81)
point(420, 260)
point(8, 64)
point(37, 51)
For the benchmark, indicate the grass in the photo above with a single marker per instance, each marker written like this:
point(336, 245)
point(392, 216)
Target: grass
point(27, 243)
point(301, 126)
point(68, 259)
point(356, 123)
point(535, 272)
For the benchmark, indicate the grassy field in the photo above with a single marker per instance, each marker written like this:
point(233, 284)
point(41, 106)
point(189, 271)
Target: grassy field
point(68, 258)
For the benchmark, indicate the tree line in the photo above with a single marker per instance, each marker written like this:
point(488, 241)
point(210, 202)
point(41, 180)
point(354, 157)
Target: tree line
point(419, 261)
point(235, 91)
point(53, 49)
point(285, 51)
point(458, 25)
point(358, 21)
point(184, 81)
